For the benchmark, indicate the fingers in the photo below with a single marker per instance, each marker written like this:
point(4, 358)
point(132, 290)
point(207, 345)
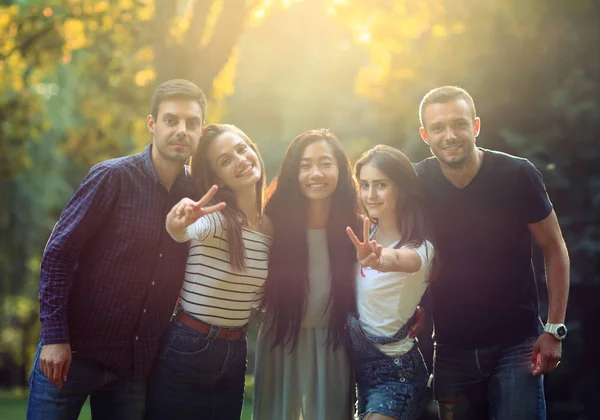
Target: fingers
point(211, 209)
point(370, 261)
point(353, 237)
point(207, 197)
point(366, 227)
point(418, 323)
point(65, 369)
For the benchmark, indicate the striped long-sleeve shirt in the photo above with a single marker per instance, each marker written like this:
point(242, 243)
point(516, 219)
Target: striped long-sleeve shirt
point(212, 291)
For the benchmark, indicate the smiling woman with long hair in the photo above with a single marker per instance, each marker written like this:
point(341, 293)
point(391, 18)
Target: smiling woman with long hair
point(396, 258)
point(201, 366)
point(302, 369)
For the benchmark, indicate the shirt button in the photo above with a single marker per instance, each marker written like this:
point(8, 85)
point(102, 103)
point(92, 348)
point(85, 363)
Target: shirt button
point(152, 284)
point(160, 255)
point(137, 338)
point(396, 361)
point(144, 311)
point(402, 379)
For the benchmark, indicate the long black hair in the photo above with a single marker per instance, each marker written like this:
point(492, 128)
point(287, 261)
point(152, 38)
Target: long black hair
point(204, 177)
point(286, 287)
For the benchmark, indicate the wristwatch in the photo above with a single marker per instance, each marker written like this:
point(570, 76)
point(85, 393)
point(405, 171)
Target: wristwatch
point(557, 330)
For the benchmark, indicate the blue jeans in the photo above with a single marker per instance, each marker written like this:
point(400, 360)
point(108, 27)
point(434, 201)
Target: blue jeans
point(111, 396)
point(394, 386)
point(493, 382)
point(197, 376)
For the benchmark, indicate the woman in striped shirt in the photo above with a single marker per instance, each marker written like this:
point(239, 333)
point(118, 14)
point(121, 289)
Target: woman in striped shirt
point(202, 364)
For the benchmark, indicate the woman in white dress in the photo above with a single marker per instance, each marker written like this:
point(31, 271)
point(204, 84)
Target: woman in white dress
point(302, 369)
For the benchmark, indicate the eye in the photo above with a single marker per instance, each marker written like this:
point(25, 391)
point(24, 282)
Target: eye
point(225, 161)
point(193, 124)
point(169, 120)
point(242, 148)
point(326, 164)
point(460, 124)
point(381, 185)
point(364, 186)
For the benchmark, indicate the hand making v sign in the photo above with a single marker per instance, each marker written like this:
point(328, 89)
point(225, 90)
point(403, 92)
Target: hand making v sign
point(368, 252)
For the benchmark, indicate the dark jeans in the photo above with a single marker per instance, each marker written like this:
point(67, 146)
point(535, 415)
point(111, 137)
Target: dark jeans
point(111, 396)
point(197, 376)
point(494, 382)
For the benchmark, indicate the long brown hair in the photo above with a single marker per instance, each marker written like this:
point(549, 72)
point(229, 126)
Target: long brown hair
point(204, 176)
point(286, 287)
point(411, 219)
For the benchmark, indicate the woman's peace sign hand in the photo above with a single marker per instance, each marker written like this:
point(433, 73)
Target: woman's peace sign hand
point(368, 252)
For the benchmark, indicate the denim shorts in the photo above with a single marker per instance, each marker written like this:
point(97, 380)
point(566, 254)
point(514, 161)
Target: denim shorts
point(392, 385)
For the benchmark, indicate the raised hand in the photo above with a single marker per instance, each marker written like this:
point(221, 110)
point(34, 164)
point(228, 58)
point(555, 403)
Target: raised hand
point(187, 211)
point(368, 253)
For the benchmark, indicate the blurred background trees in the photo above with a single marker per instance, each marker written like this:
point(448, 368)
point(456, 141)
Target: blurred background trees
point(76, 78)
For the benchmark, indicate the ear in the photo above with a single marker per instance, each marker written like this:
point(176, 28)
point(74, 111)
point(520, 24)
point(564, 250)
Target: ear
point(423, 134)
point(150, 123)
point(476, 127)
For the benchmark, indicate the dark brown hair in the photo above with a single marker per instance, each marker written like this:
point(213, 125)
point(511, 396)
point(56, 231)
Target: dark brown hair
point(204, 176)
point(177, 89)
point(411, 219)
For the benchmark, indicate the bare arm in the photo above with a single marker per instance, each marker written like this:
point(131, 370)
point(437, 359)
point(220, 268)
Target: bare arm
point(548, 236)
point(547, 350)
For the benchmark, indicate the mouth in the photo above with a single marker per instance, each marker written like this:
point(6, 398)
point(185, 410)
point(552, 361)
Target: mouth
point(246, 171)
point(452, 148)
point(372, 205)
point(316, 186)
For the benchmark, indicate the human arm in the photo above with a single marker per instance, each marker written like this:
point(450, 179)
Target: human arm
point(546, 233)
point(81, 218)
point(187, 212)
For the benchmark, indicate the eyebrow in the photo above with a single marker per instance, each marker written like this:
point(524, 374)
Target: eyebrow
point(374, 180)
point(169, 115)
point(324, 157)
point(234, 148)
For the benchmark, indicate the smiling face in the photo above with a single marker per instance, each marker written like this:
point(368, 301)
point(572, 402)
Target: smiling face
point(450, 131)
point(318, 175)
point(235, 164)
point(176, 130)
point(378, 193)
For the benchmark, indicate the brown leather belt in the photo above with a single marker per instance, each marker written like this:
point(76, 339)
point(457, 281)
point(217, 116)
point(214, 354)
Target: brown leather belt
point(229, 334)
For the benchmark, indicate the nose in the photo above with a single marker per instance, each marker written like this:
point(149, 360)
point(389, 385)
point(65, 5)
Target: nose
point(450, 134)
point(181, 128)
point(371, 192)
point(315, 171)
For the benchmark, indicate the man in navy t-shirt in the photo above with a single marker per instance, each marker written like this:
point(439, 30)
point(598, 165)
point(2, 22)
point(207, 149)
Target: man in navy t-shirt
point(485, 207)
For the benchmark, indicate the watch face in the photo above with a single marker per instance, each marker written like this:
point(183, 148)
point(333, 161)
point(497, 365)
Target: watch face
point(561, 331)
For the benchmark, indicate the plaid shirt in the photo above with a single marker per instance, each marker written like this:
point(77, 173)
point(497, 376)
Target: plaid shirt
point(111, 274)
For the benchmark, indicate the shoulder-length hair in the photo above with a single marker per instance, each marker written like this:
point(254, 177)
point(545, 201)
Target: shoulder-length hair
point(411, 219)
point(204, 176)
point(286, 287)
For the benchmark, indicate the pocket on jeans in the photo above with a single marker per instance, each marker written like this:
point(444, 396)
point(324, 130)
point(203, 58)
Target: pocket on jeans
point(186, 344)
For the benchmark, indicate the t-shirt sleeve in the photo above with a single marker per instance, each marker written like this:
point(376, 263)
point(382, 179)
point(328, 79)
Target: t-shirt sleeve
point(426, 252)
point(534, 201)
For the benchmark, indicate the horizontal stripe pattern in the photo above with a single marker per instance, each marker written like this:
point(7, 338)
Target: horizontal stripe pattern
point(212, 291)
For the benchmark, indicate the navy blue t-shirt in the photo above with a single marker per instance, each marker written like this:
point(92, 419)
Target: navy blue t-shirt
point(485, 293)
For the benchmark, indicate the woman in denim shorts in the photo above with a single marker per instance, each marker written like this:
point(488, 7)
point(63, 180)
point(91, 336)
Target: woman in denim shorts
point(395, 259)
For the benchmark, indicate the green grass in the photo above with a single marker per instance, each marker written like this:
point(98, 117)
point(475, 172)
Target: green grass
point(13, 405)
